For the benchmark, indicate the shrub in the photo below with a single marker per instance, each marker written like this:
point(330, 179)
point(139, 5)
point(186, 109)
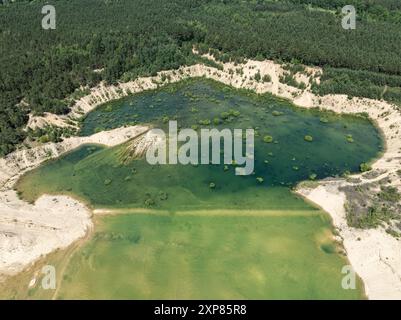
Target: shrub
point(389, 194)
point(363, 167)
point(44, 139)
point(349, 138)
point(308, 138)
point(268, 139)
point(267, 78)
point(234, 113)
point(205, 122)
point(225, 115)
point(216, 121)
point(277, 113)
point(257, 76)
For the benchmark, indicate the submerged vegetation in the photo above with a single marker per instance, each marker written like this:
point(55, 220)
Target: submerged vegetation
point(202, 224)
point(202, 214)
point(276, 164)
point(199, 255)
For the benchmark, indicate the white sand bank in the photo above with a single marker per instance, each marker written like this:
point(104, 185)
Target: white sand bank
point(374, 255)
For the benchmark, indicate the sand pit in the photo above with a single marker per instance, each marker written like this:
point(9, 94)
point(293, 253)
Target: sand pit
point(375, 257)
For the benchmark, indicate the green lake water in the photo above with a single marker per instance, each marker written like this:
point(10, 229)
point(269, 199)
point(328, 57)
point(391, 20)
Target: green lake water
point(177, 237)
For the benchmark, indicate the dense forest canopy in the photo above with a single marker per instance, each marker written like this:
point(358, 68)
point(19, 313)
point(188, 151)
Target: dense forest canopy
point(130, 38)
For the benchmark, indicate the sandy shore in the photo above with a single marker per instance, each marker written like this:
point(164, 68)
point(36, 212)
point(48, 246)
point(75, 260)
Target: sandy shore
point(28, 232)
point(374, 254)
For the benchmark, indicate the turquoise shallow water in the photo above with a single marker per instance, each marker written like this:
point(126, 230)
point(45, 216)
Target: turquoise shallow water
point(98, 175)
point(199, 218)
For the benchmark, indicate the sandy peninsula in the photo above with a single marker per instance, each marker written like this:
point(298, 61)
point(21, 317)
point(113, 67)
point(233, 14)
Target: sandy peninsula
point(374, 254)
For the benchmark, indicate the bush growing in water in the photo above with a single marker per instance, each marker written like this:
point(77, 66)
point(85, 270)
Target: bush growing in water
point(216, 121)
point(205, 122)
point(225, 115)
point(230, 114)
point(234, 113)
point(268, 139)
point(308, 138)
point(363, 167)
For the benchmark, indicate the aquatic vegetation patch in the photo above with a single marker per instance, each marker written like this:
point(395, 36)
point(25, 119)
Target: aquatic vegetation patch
point(308, 138)
point(364, 167)
point(268, 139)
